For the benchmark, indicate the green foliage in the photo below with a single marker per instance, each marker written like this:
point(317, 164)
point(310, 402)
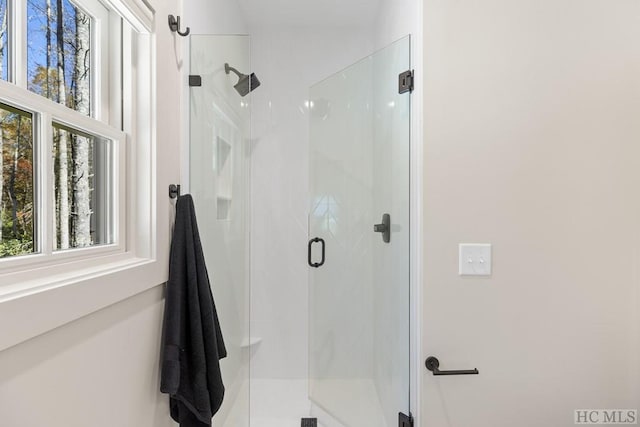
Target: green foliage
point(15, 247)
point(16, 182)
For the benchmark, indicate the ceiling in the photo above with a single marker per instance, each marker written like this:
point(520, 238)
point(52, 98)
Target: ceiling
point(338, 13)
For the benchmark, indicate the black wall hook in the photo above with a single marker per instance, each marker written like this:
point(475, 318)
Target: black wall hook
point(174, 191)
point(174, 26)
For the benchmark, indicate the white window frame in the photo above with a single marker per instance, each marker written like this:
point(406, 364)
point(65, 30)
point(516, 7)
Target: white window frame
point(45, 113)
point(63, 286)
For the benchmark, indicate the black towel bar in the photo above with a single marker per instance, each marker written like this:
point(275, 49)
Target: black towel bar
point(432, 364)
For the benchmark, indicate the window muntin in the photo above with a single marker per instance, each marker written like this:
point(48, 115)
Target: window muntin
point(18, 206)
point(59, 54)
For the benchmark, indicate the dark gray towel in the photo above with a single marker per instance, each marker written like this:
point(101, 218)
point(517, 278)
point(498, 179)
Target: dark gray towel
point(192, 340)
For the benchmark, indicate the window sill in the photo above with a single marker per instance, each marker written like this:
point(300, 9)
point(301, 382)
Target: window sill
point(36, 306)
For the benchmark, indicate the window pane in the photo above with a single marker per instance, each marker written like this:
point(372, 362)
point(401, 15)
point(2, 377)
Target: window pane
point(83, 166)
point(4, 50)
point(16, 183)
point(58, 53)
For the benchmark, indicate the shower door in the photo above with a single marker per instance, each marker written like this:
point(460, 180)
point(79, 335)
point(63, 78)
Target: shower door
point(359, 241)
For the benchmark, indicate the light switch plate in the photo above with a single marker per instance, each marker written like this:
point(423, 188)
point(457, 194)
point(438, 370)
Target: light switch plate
point(474, 259)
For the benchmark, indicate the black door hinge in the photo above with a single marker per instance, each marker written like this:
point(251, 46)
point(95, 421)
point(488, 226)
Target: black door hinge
point(405, 82)
point(405, 420)
point(195, 80)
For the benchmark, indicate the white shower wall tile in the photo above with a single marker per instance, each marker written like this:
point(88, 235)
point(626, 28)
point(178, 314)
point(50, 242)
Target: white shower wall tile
point(287, 61)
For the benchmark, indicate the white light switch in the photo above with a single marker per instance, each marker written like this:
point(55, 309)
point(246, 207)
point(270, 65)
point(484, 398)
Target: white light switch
point(475, 259)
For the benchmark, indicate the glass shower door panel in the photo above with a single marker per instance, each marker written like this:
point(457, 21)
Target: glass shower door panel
point(219, 183)
point(359, 297)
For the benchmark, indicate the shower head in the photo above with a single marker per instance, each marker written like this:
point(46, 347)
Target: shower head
point(245, 83)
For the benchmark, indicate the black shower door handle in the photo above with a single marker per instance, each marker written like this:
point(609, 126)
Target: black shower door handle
point(311, 242)
point(433, 364)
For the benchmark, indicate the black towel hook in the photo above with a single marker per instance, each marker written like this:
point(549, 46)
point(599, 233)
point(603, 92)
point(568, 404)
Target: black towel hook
point(174, 26)
point(174, 191)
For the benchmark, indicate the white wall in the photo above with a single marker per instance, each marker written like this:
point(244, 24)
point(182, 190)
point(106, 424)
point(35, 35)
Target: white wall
point(101, 370)
point(214, 17)
point(531, 144)
point(395, 19)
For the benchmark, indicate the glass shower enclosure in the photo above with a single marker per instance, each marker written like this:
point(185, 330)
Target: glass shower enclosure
point(358, 228)
point(219, 170)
